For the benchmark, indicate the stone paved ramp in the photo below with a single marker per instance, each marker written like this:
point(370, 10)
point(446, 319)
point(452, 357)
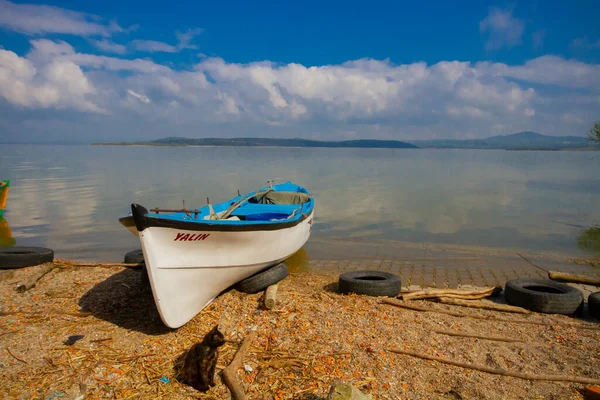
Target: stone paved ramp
point(438, 267)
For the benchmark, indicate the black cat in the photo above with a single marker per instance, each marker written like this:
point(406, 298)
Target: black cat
point(200, 361)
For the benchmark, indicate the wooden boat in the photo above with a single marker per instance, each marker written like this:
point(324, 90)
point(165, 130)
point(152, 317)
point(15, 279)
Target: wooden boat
point(193, 255)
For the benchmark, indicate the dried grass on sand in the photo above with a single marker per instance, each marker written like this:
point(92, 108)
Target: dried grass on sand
point(313, 336)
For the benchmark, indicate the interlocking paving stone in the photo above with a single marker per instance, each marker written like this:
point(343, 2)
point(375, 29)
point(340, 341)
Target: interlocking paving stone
point(452, 272)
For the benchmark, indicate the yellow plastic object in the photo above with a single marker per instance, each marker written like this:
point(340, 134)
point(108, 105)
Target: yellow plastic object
point(6, 238)
point(4, 185)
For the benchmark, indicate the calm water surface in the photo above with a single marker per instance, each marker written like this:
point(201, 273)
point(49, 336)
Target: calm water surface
point(69, 198)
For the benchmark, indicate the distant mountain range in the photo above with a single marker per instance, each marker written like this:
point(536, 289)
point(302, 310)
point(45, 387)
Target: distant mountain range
point(177, 141)
point(516, 141)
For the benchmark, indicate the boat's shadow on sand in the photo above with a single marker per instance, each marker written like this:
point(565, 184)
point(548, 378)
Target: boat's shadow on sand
point(124, 300)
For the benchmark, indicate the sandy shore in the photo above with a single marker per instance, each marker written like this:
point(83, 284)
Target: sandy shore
point(313, 336)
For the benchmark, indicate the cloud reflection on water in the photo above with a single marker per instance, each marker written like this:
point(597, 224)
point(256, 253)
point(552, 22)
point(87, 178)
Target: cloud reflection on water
point(70, 197)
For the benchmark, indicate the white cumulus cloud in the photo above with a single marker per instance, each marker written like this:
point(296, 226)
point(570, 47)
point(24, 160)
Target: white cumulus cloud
point(33, 19)
point(152, 46)
point(184, 40)
point(58, 83)
point(362, 98)
point(44, 50)
point(108, 46)
point(502, 28)
point(550, 70)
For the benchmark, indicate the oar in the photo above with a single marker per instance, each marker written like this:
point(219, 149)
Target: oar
point(212, 214)
point(240, 202)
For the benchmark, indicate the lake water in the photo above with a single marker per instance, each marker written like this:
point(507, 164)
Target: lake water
point(69, 198)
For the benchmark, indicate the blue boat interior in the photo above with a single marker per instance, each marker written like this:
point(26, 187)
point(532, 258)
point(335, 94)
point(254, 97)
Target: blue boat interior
point(285, 202)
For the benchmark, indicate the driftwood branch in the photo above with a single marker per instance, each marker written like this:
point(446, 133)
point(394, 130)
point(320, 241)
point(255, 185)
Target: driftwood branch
point(497, 371)
point(230, 372)
point(9, 332)
point(486, 337)
point(22, 287)
point(484, 305)
point(270, 296)
point(401, 304)
point(15, 357)
point(566, 277)
point(40, 313)
point(456, 293)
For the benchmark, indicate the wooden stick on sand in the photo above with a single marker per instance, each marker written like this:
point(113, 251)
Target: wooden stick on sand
point(401, 304)
point(496, 338)
point(566, 277)
point(497, 371)
point(270, 296)
point(230, 372)
point(22, 287)
point(483, 305)
point(82, 314)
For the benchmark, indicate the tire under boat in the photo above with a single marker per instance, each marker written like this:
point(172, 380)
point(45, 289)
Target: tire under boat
point(191, 258)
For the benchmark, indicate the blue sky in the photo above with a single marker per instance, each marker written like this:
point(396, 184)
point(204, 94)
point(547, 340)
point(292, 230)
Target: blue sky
point(82, 71)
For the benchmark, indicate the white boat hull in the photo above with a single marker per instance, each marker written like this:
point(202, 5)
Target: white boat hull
point(188, 269)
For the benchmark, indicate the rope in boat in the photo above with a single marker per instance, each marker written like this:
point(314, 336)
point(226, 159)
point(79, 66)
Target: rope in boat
point(294, 212)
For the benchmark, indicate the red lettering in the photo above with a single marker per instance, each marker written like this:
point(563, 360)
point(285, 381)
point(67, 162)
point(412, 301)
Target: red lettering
point(183, 237)
point(179, 235)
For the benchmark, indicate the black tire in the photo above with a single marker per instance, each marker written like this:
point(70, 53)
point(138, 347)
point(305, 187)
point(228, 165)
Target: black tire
point(263, 279)
point(543, 295)
point(594, 304)
point(370, 283)
point(134, 257)
point(20, 256)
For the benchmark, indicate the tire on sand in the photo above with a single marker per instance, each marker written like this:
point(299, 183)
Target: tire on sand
point(370, 283)
point(594, 305)
point(263, 279)
point(20, 256)
point(134, 257)
point(544, 296)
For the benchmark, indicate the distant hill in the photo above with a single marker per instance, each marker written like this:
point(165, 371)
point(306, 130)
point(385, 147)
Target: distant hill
point(516, 141)
point(521, 140)
point(178, 141)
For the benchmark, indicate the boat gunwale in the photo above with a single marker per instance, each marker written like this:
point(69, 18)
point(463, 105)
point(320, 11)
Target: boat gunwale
point(143, 220)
